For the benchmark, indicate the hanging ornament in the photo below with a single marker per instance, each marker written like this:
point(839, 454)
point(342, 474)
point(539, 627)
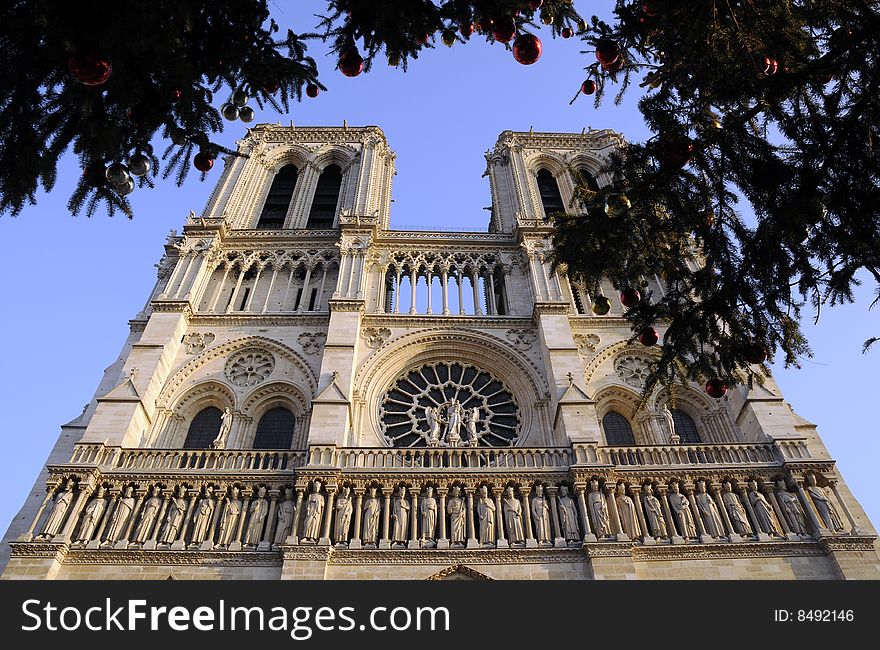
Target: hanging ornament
point(229, 111)
point(674, 152)
point(351, 64)
point(394, 60)
point(567, 32)
point(116, 174)
point(527, 49)
point(484, 25)
point(448, 37)
point(239, 98)
point(613, 67)
point(312, 90)
point(648, 337)
point(178, 137)
point(203, 161)
point(616, 205)
point(601, 305)
point(769, 66)
point(246, 114)
point(546, 16)
point(126, 188)
point(649, 8)
point(630, 298)
point(466, 29)
point(139, 164)
point(756, 353)
point(504, 30)
point(588, 87)
point(423, 38)
point(535, 4)
point(90, 69)
point(607, 51)
point(716, 388)
point(272, 87)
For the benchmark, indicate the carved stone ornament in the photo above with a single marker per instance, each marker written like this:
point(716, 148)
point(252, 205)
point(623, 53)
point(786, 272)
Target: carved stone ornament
point(522, 339)
point(196, 342)
point(375, 336)
point(311, 342)
point(587, 344)
point(632, 369)
point(249, 367)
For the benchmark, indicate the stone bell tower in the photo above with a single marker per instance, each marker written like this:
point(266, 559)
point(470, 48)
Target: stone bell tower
point(309, 393)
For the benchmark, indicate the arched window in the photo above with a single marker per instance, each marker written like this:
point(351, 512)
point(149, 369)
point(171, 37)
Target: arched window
point(584, 174)
point(685, 427)
point(548, 188)
point(203, 429)
point(278, 200)
point(618, 432)
point(323, 210)
point(275, 430)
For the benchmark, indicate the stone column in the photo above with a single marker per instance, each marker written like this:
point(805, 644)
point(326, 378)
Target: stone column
point(854, 527)
point(304, 296)
point(615, 517)
point(358, 516)
point(674, 537)
point(531, 542)
point(246, 494)
point(461, 310)
point(442, 540)
point(770, 493)
point(385, 542)
point(294, 529)
point(501, 540)
point(579, 489)
point(475, 287)
point(647, 537)
point(732, 535)
point(808, 509)
point(698, 518)
point(444, 277)
point(413, 277)
point(231, 306)
point(414, 518)
point(250, 299)
point(268, 531)
point(271, 287)
point(151, 540)
point(558, 539)
point(760, 535)
point(213, 306)
point(328, 517)
point(180, 543)
point(73, 513)
point(472, 537)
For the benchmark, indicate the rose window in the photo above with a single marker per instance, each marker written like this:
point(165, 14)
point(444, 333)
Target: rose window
point(449, 405)
point(249, 367)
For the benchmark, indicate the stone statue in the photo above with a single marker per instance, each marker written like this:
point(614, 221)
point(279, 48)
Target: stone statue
point(568, 516)
point(92, 515)
point(827, 511)
point(763, 510)
point(513, 521)
point(400, 508)
point(259, 507)
point(681, 511)
point(174, 520)
point(626, 510)
point(314, 510)
point(472, 417)
point(285, 517)
point(372, 509)
point(231, 514)
point(654, 516)
point(791, 509)
point(148, 516)
point(56, 518)
point(433, 419)
point(674, 438)
point(202, 516)
point(344, 508)
point(453, 423)
point(541, 517)
point(708, 511)
point(486, 517)
point(456, 509)
point(599, 509)
point(738, 518)
point(119, 520)
point(225, 426)
point(428, 510)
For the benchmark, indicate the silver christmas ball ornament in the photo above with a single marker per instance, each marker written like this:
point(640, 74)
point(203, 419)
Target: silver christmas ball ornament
point(246, 114)
point(229, 111)
point(139, 164)
point(239, 98)
point(116, 173)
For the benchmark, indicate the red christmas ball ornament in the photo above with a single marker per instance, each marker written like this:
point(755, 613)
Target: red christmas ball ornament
point(272, 87)
point(466, 29)
point(351, 63)
point(588, 87)
point(312, 90)
point(567, 32)
point(527, 49)
point(613, 67)
point(535, 4)
point(203, 161)
point(423, 38)
point(90, 69)
point(607, 51)
point(649, 8)
point(756, 353)
point(648, 337)
point(484, 25)
point(769, 66)
point(674, 152)
point(716, 388)
point(504, 30)
point(630, 298)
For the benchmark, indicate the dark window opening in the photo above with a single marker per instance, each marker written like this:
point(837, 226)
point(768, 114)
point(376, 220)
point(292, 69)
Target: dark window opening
point(299, 293)
point(275, 430)
point(323, 210)
point(618, 432)
point(244, 297)
point(312, 300)
point(278, 200)
point(203, 429)
point(548, 188)
point(685, 427)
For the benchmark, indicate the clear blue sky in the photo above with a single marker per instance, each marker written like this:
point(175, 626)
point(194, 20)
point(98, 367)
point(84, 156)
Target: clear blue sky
point(73, 283)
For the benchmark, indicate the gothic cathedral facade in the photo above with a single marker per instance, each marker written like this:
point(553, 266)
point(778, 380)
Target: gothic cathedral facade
point(310, 394)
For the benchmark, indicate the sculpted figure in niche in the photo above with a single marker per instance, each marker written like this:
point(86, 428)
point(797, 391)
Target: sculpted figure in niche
point(62, 502)
point(626, 510)
point(428, 507)
point(174, 520)
point(791, 509)
point(453, 423)
point(541, 517)
point(486, 516)
point(674, 438)
point(148, 516)
point(456, 509)
point(433, 419)
point(512, 511)
point(314, 510)
point(285, 517)
point(400, 508)
point(709, 511)
point(599, 509)
point(568, 516)
point(92, 516)
point(344, 508)
point(372, 509)
point(763, 510)
point(681, 511)
point(738, 518)
point(118, 522)
point(202, 516)
point(826, 508)
point(231, 514)
point(654, 516)
point(225, 426)
point(258, 509)
point(472, 417)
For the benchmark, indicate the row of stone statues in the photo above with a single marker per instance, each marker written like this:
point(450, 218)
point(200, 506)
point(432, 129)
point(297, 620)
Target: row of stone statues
point(429, 517)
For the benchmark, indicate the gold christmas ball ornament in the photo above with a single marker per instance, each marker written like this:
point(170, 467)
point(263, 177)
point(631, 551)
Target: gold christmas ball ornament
point(448, 37)
point(394, 60)
point(547, 18)
point(616, 205)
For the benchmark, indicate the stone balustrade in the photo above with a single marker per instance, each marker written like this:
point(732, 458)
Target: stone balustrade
point(463, 458)
point(689, 455)
point(238, 460)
